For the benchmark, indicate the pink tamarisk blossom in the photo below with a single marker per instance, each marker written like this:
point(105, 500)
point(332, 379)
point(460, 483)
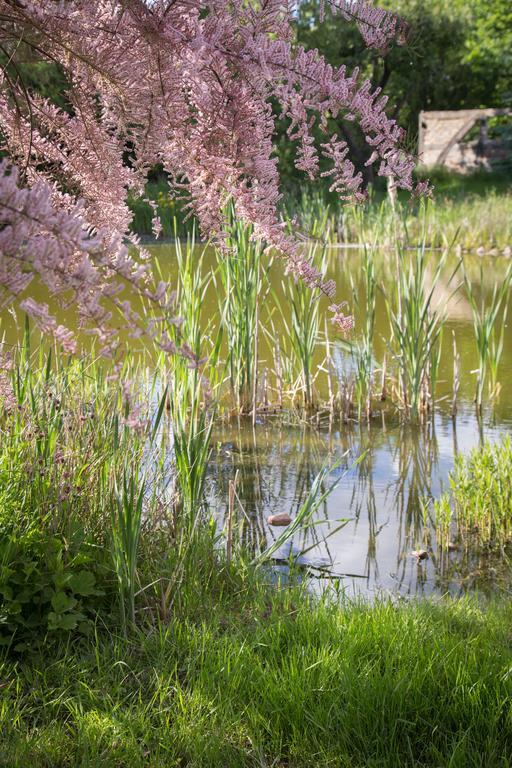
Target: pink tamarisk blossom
point(189, 85)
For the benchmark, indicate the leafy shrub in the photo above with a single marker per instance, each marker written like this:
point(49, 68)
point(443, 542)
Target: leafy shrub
point(48, 587)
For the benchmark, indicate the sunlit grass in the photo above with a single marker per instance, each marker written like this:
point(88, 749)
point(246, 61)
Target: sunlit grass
point(243, 678)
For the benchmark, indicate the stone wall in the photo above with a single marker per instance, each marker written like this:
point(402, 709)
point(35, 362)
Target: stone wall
point(441, 139)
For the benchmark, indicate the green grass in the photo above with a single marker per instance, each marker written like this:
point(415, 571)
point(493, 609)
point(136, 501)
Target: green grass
point(214, 663)
point(244, 676)
point(472, 211)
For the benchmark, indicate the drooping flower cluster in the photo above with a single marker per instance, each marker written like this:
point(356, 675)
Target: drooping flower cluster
point(187, 84)
point(378, 27)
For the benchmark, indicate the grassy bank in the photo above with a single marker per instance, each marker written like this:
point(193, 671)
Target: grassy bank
point(471, 211)
point(474, 210)
point(245, 675)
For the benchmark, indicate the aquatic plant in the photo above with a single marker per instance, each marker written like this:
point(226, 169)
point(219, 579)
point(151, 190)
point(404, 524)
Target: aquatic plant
point(483, 205)
point(477, 510)
point(362, 348)
point(416, 327)
point(311, 212)
point(192, 380)
point(488, 336)
point(305, 323)
point(242, 278)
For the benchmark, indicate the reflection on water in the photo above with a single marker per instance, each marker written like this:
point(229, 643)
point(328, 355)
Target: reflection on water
point(385, 497)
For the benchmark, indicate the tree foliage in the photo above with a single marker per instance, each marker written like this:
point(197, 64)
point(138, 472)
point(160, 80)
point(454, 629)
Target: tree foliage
point(186, 84)
point(458, 57)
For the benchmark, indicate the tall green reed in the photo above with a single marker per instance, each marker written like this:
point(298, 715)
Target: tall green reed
point(242, 277)
point(192, 373)
point(362, 349)
point(486, 216)
point(416, 327)
point(303, 329)
point(126, 518)
point(313, 214)
point(489, 322)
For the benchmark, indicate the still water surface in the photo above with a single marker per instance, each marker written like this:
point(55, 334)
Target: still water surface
point(383, 497)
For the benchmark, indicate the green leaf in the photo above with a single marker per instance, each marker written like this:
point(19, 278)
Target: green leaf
point(61, 579)
point(6, 591)
point(62, 602)
point(85, 627)
point(83, 583)
point(67, 621)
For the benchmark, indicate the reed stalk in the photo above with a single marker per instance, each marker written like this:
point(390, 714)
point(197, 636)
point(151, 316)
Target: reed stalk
point(416, 328)
point(126, 516)
point(488, 335)
point(304, 326)
point(362, 350)
point(193, 381)
point(242, 276)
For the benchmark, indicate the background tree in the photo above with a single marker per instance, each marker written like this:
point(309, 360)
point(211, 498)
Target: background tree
point(457, 57)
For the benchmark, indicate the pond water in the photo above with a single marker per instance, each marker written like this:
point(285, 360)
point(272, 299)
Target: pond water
point(377, 515)
point(382, 498)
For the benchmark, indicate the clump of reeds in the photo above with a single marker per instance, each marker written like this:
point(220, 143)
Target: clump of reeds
point(302, 304)
point(242, 275)
point(416, 329)
point(362, 349)
point(477, 510)
point(489, 322)
point(192, 375)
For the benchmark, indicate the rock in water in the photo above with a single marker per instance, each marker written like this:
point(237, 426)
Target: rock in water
point(282, 519)
point(420, 554)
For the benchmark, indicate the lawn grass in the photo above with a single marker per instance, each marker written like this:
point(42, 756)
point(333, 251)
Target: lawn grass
point(245, 674)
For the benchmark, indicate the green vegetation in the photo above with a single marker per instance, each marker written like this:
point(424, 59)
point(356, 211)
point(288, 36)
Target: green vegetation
point(136, 633)
point(243, 676)
point(303, 329)
point(489, 323)
point(129, 639)
point(457, 57)
point(477, 511)
point(133, 638)
point(473, 212)
point(416, 330)
point(242, 277)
